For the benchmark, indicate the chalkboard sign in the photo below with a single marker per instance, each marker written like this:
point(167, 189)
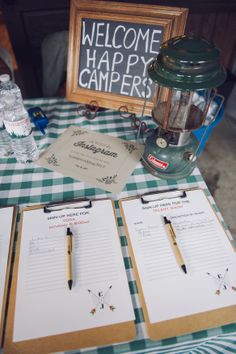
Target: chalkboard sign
point(110, 47)
point(114, 56)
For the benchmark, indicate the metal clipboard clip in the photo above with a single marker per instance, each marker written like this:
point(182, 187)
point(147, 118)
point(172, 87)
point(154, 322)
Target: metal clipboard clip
point(156, 196)
point(77, 204)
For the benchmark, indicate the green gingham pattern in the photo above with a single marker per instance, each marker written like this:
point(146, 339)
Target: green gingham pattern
point(31, 184)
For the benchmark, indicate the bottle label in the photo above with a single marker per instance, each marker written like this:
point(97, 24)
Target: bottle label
point(19, 129)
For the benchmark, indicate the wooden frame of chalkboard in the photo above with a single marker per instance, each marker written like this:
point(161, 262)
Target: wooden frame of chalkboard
point(110, 46)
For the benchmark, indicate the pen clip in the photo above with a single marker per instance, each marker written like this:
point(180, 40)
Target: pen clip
point(68, 205)
point(69, 234)
point(153, 197)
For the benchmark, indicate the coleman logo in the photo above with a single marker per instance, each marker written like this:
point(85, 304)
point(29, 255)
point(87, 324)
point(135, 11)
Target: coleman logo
point(158, 163)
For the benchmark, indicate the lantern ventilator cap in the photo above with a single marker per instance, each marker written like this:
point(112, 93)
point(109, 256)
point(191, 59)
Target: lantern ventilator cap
point(187, 63)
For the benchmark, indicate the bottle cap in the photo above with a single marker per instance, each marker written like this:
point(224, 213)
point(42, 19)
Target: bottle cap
point(4, 78)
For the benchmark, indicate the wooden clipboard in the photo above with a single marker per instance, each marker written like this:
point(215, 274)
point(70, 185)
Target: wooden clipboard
point(181, 325)
point(98, 336)
point(7, 279)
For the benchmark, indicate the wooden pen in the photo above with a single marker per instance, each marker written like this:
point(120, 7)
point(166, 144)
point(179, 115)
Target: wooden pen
point(173, 241)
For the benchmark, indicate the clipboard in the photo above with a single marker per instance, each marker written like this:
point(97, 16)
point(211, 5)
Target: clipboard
point(12, 222)
point(102, 335)
point(184, 324)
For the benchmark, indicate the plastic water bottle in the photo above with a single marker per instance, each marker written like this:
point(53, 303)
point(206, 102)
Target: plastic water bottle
point(18, 126)
point(7, 87)
point(5, 141)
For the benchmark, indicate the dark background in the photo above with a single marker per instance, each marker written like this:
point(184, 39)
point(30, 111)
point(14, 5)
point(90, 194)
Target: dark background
point(29, 21)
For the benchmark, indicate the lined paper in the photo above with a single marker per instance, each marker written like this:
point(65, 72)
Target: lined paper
point(201, 242)
point(158, 259)
point(88, 269)
point(208, 255)
point(45, 270)
point(6, 217)
point(44, 302)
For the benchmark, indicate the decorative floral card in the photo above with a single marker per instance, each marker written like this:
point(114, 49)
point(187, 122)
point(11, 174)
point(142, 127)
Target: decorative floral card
point(99, 159)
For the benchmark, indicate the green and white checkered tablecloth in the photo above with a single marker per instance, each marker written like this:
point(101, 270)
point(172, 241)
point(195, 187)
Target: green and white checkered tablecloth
point(29, 184)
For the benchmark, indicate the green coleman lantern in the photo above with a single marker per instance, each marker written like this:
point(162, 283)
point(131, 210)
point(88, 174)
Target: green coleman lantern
point(185, 69)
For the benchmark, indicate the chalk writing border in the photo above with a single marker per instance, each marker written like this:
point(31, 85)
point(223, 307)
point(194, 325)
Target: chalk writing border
point(171, 19)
